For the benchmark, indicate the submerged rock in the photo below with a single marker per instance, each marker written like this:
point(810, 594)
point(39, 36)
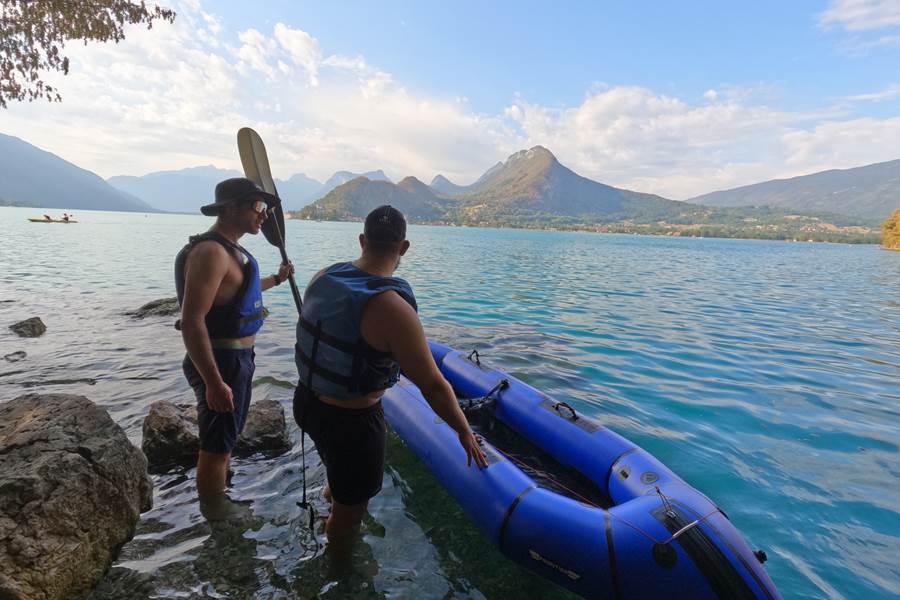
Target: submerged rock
point(163, 307)
point(32, 327)
point(15, 356)
point(170, 432)
point(169, 436)
point(72, 488)
point(265, 429)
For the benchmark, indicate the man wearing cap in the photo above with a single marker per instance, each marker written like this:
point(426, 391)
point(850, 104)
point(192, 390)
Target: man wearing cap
point(220, 292)
point(357, 329)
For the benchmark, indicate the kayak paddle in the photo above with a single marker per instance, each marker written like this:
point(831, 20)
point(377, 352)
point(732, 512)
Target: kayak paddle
point(256, 167)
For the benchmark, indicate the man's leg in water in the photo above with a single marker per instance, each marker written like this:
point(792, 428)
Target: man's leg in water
point(344, 520)
point(219, 431)
point(215, 504)
point(212, 471)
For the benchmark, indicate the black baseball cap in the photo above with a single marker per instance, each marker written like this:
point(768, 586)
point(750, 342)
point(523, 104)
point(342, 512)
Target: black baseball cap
point(386, 225)
point(234, 189)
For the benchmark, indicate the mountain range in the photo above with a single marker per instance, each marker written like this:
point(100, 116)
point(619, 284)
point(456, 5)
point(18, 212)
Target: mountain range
point(354, 199)
point(532, 187)
point(529, 189)
point(30, 176)
point(186, 190)
point(870, 192)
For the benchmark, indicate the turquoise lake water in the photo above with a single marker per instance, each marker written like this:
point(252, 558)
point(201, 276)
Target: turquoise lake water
point(766, 374)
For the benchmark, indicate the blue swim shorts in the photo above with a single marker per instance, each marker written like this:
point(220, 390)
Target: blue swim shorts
point(219, 431)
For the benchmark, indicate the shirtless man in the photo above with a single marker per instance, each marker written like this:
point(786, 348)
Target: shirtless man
point(220, 292)
point(358, 327)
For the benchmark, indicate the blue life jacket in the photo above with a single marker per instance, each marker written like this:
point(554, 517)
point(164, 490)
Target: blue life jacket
point(331, 355)
point(244, 315)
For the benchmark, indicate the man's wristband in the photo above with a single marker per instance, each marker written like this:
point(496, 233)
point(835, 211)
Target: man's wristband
point(276, 278)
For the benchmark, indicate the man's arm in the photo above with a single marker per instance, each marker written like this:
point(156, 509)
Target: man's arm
point(206, 267)
point(397, 323)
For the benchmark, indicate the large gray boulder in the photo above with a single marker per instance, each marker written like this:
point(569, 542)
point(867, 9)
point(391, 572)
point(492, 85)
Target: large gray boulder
point(32, 327)
point(170, 432)
point(72, 488)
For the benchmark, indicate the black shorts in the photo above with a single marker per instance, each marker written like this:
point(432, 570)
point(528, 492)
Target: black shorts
point(350, 443)
point(219, 431)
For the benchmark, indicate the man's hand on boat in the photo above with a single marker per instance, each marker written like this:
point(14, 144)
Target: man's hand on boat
point(472, 445)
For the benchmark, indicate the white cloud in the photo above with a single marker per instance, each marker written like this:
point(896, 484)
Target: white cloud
point(631, 137)
point(356, 64)
point(889, 93)
point(861, 15)
point(255, 53)
point(302, 48)
point(871, 24)
point(175, 96)
point(842, 144)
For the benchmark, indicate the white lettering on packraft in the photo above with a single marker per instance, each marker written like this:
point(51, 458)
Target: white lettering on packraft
point(567, 572)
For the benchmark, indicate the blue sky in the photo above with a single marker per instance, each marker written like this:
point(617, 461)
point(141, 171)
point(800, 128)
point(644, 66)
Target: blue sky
point(489, 51)
point(675, 98)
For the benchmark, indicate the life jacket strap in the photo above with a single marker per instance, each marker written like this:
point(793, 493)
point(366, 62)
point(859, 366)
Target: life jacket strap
point(260, 314)
point(318, 334)
point(313, 368)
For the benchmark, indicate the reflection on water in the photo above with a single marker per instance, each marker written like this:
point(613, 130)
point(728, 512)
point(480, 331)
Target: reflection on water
point(764, 373)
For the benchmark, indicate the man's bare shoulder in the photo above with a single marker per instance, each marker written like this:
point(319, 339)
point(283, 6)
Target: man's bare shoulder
point(392, 304)
point(208, 250)
point(389, 323)
point(206, 258)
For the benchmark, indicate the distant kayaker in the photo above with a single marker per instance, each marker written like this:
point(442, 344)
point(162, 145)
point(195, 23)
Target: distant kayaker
point(358, 327)
point(220, 292)
point(47, 218)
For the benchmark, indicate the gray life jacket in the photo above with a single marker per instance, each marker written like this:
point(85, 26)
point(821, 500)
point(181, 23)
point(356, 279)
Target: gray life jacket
point(331, 355)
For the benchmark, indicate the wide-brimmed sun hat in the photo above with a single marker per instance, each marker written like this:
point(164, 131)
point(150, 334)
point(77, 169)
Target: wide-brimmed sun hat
point(235, 189)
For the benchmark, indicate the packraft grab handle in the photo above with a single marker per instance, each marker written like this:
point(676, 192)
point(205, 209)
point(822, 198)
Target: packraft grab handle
point(560, 405)
point(475, 354)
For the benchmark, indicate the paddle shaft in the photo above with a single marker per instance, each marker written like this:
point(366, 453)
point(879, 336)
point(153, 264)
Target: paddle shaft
point(284, 258)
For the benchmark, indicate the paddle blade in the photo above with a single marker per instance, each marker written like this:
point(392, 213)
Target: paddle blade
point(273, 228)
point(256, 167)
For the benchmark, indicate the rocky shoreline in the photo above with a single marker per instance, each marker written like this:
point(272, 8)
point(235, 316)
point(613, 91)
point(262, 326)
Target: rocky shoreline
point(73, 487)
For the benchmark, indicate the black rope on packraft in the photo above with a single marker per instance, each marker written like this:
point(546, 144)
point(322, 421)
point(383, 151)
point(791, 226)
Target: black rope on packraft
point(304, 504)
point(476, 403)
point(667, 505)
point(475, 354)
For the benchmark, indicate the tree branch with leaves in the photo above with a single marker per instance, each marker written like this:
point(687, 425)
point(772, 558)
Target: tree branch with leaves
point(33, 35)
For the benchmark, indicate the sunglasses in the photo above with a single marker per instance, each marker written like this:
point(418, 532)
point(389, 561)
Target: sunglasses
point(258, 206)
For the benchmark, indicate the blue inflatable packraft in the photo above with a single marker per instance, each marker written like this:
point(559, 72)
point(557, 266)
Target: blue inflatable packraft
point(655, 536)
